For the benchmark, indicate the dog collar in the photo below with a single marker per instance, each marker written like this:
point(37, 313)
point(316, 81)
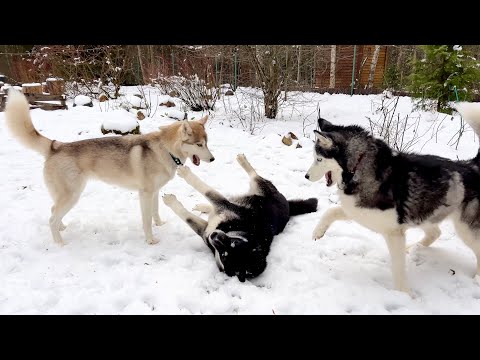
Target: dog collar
point(177, 160)
point(360, 158)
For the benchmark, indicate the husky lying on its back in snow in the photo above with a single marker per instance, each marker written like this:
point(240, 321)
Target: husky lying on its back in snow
point(239, 230)
point(389, 192)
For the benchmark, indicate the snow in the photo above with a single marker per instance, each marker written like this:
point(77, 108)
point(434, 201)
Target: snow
point(133, 101)
point(119, 120)
point(171, 113)
point(162, 99)
point(107, 267)
point(31, 84)
point(82, 100)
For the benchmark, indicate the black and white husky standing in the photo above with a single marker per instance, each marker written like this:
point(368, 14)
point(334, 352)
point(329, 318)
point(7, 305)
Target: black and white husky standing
point(240, 230)
point(389, 192)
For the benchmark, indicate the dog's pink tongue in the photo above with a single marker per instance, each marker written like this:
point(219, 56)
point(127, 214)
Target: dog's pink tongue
point(196, 160)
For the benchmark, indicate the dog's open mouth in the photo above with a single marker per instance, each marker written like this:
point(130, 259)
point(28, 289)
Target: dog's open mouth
point(196, 160)
point(328, 178)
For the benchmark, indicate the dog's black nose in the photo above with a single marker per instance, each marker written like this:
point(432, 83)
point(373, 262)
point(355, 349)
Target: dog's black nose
point(212, 159)
point(307, 176)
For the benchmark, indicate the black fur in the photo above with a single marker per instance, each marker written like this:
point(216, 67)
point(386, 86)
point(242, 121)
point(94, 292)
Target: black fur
point(256, 218)
point(415, 185)
point(298, 207)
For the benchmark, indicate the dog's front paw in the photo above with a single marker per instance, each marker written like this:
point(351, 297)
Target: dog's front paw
point(183, 171)
point(169, 199)
point(241, 158)
point(319, 232)
point(152, 241)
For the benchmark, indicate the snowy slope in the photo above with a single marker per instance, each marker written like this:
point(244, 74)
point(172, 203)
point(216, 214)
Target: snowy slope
point(108, 268)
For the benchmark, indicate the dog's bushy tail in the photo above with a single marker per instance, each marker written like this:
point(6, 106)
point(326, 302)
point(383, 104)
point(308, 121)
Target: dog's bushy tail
point(19, 122)
point(471, 114)
point(299, 207)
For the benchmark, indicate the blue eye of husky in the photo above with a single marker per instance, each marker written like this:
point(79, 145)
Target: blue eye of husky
point(319, 159)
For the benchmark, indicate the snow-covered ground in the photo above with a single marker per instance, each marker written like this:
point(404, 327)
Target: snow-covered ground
point(108, 268)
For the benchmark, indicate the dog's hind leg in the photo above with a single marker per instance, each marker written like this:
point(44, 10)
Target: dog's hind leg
point(242, 160)
point(65, 189)
point(471, 238)
point(62, 225)
point(475, 246)
point(146, 204)
point(210, 193)
point(331, 215)
point(63, 204)
point(258, 185)
point(196, 223)
point(432, 233)
point(396, 247)
point(155, 214)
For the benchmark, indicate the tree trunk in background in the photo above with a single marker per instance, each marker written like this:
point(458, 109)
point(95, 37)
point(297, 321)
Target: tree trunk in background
point(333, 63)
point(272, 85)
point(141, 63)
point(298, 63)
point(271, 104)
point(286, 67)
point(265, 59)
point(399, 64)
point(152, 66)
point(373, 66)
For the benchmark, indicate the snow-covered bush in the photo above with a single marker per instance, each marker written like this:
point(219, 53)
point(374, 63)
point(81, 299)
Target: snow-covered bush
point(194, 92)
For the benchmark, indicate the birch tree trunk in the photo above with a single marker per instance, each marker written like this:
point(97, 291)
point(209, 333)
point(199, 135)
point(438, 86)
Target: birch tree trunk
point(333, 65)
point(373, 66)
point(288, 75)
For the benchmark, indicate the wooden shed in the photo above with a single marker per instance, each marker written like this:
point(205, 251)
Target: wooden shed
point(346, 63)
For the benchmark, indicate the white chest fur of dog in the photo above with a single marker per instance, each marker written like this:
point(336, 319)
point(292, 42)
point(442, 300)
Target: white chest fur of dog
point(380, 221)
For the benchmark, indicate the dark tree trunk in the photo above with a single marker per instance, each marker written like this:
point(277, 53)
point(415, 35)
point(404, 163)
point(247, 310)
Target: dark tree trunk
point(271, 105)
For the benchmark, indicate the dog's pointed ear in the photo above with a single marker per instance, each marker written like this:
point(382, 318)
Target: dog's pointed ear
point(241, 276)
point(186, 129)
point(324, 124)
point(203, 120)
point(218, 239)
point(325, 141)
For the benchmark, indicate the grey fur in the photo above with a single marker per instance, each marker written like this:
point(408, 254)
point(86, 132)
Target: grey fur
point(389, 192)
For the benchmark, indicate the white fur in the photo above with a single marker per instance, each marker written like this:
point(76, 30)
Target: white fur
point(321, 166)
point(471, 113)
